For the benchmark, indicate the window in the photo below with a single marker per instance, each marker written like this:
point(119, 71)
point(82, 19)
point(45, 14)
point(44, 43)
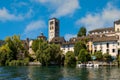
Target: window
point(68, 47)
point(51, 22)
point(113, 50)
point(107, 45)
point(107, 50)
point(117, 29)
point(113, 43)
point(95, 50)
point(118, 43)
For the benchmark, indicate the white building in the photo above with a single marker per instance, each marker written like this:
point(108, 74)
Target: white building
point(65, 47)
point(107, 40)
point(106, 44)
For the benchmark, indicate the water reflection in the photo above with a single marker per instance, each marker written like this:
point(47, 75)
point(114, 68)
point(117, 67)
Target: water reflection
point(58, 73)
point(45, 73)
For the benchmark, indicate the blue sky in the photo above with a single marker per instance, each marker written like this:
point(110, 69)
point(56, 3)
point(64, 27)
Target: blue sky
point(28, 18)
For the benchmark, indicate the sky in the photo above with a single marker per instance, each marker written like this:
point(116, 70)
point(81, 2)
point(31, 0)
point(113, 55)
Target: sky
point(28, 18)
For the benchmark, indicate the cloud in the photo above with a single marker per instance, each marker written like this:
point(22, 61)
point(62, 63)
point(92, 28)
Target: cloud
point(68, 36)
point(35, 25)
point(33, 29)
point(61, 7)
point(6, 16)
point(105, 18)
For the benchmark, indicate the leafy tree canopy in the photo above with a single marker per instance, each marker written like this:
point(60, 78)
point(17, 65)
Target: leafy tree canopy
point(48, 54)
point(70, 59)
point(107, 57)
point(98, 55)
point(12, 50)
point(78, 46)
point(84, 56)
point(82, 32)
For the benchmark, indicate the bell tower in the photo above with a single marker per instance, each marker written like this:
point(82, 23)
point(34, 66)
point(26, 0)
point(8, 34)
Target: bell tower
point(117, 26)
point(53, 26)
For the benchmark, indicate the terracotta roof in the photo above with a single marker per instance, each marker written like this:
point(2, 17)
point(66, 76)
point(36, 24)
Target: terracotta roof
point(67, 43)
point(58, 40)
point(102, 29)
point(105, 38)
point(75, 39)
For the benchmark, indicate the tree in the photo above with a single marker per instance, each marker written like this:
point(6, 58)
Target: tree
point(48, 54)
point(42, 53)
point(36, 44)
point(16, 46)
point(98, 55)
point(107, 57)
point(118, 59)
point(70, 59)
point(84, 56)
point(5, 55)
point(13, 49)
point(55, 53)
point(82, 32)
point(78, 46)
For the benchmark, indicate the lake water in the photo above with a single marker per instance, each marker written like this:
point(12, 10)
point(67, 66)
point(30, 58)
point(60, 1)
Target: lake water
point(59, 73)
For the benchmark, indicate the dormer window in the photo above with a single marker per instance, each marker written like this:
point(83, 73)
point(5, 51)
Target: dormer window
point(117, 29)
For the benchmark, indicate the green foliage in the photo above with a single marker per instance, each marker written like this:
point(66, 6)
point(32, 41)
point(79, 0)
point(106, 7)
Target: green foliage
point(36, 44)
point(12, 51)
point(98, 55)
point(16, 46)
point(48, 54)
point(119, 59)
point(78, 46)
point(107, 57)
point(5, 55)
point(19, 62)
point(84, 56)
point(70, 59)
point(82, 32)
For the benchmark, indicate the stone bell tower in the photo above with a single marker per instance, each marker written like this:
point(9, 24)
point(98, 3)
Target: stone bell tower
point(53, 28)
point(117, 26)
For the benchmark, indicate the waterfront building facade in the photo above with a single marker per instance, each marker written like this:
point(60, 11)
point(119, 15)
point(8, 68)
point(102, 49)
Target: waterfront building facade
point(106, 40)
point(106, 44)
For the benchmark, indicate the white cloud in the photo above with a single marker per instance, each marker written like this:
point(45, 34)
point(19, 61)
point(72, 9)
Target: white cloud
point(61, 7)
point(105, 18)
point(35, 25)
point(34, 28)
point(68, 36)
point(5, 15)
